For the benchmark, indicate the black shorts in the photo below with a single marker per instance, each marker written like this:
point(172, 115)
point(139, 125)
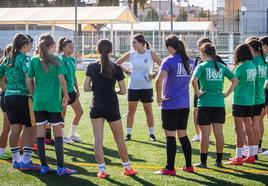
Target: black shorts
point(20, 110)
point(257, 109)
point(44, 117)
point(266, 97)
point(195, 100)
point(208, 115)
point(2, 102)
point(144, 95)
point(242, 111)
point(110, 116)
point(176, 119)
point(72, 96)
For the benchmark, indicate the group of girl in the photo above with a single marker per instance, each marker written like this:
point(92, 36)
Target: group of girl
point(45, 84)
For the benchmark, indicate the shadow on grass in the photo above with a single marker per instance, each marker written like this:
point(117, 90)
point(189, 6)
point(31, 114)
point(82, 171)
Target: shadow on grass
point(141, 181)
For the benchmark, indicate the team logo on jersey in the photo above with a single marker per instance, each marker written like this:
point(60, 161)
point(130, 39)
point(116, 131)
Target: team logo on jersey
point(145, 60)
point(262, 71)
point(251, 74)
point(181, 70)
point(213, 74)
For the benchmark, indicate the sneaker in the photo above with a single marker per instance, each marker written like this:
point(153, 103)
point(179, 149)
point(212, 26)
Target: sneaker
point(259, 150)
point(265, 153)
point(35, 147)
point(102, 175)
point(188, 169)
point(75, 138)
point(46, 169)
point(235, 161)
point(49, 141)
point(67, 140)
point(196, 138)
point(152, 137)
point(218, 164)
point(201, 165)
point(128, 137)
point(63, 171)
point(29, 166)
point(16, 165)
point(6, 156)
point(130, 172)
point(249, 159)
point(166, 172)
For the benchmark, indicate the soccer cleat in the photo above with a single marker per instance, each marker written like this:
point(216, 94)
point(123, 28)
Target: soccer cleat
point(259, 150)
point(188, 169)
point(265, 153)
point(102, 175)
point(218, 164)
point(29, 166)
point(167, 172)
point(64, 171)
point(235, 161)
point(6, 156)
point(75, 138)
point(196, 138)
point(67, 140)
point(128, 137)
point(249, 159)
point(16, 165)
point(49, 141)
point(130, 172)
point(46, 169)
point(201, 165)
point(35, 147)
point(152, 137)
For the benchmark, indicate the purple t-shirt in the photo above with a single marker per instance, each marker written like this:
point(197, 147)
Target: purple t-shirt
point(176, 83)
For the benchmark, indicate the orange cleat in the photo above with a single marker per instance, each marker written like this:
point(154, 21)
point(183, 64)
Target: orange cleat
point(235, 161)
point(249, 159)
point(130, 172)
point(102, 175)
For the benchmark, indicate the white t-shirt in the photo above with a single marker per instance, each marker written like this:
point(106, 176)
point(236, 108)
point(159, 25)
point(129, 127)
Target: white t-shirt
point(142, 66)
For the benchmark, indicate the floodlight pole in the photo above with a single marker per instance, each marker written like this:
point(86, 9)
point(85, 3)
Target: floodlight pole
point(171, 16)
point(75, 29)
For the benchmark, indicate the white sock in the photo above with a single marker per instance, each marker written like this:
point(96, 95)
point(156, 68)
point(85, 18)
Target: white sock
point(129, 130)
point(73, 129)
point(151, 130)
point(63, 132)
point(245, 151)
point(27, 154)
point(126, 165)
point(256, 147)
point(2, 151)
point(102, 167)
point(251, 150)
point(16, 154)
point(239, 151)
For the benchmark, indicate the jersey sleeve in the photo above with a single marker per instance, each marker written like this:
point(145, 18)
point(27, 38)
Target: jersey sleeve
point(237, 72)
point(228, 73)
point(25, 64)
point(198, 71)
point(88, 71)
point(119, 75)
point(31, 72)
point(165, 66)
point(60, 67)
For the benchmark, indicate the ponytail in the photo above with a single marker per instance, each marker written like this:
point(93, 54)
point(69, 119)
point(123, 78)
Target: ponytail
point(147, 45)
point(257, 47)
point(104, 48)
point(216, 66)
point(210, 51)
point(62, 42)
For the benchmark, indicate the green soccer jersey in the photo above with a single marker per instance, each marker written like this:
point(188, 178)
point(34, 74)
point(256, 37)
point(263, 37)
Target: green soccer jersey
point(261, 77)
point(15, 75)
point(69, 72)
point(48, 91)
point(211, 83)
point(244, 93)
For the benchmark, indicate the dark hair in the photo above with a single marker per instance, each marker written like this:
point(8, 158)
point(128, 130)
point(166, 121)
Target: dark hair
point(264, 40)
point(178, 45)
point(104, 47)
point(30, 38)
point(46, 41)
point(6, 52)
point(210, 51)
point(62, 42)
point(250, 38)
point(257, 47)
point(141, 39)
point(18, 42)
point(202, 41)
point(242, 53)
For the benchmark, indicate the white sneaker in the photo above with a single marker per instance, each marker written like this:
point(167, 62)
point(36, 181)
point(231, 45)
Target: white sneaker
point(259, 150)
point(67, 140)
point(76, 138)
point(265, 153)
point(195, 139)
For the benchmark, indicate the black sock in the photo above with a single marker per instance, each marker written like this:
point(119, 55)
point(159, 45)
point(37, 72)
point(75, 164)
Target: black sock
point(219, 157)
point(59, 150)
point(187, 150)
point(48, 133)
point(203, 157)
point(42, 151)
point(171, 152)
point(260, 143)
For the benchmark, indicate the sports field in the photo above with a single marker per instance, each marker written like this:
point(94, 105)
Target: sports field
point(146, 156)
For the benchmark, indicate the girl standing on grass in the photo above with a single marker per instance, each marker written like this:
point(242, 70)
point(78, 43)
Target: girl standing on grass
point(103, 75)
point(172, 87)
point(243, 103)
point(69, 64)
point(211, 107)
point(140, 86)
point(46, 84)
point(261, 66)
point(18, 103)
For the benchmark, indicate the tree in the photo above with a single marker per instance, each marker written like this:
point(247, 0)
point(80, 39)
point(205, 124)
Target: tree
point(152, 15)
point(182, 16)
point(108, 3)
point(203, 13)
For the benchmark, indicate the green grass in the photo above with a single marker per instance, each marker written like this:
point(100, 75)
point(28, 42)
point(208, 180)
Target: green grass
point(142, 152)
